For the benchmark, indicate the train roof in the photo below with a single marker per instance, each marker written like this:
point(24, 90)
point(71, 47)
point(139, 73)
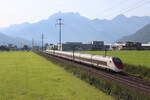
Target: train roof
point(83, 54)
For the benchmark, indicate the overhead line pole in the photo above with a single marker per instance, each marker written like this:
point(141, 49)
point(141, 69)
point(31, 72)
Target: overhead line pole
point(42, 41)
point(60, 31)
point(32, 44)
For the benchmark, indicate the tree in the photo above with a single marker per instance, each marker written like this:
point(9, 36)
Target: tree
point(26, 47)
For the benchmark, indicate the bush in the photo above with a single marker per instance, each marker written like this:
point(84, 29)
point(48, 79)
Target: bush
point(140, 71)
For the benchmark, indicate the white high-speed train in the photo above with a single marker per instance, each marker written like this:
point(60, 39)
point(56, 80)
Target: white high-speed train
point(105, 62)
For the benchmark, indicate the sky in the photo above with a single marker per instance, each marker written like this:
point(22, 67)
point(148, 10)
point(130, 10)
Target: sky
point(19, 11)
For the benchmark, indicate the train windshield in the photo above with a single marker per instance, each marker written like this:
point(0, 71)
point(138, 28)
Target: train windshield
point(117, 61)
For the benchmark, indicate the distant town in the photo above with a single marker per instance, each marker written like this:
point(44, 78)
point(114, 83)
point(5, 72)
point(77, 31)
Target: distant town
point(79, 46)
point(100, 45)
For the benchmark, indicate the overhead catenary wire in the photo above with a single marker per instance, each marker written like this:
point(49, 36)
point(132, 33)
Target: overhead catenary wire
point(42, 41)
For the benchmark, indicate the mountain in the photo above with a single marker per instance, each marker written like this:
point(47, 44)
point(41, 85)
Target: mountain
point(75, 28)
point(4, 40)
point(121, 25)
point(78, 28)
point(142, 35)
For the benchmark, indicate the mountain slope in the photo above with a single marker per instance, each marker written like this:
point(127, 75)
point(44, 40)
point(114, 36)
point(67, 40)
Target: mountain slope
point(121, 25)
point(75, 28)
point(78, 28)
point(142, 35)
point(4, 40)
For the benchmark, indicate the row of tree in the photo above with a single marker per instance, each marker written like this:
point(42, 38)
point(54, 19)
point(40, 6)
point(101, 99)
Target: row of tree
point(11, 47)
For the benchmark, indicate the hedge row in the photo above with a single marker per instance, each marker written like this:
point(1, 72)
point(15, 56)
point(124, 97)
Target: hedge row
point(140, 71)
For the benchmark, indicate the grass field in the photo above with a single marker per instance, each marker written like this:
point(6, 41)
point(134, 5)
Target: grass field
point(129, 57)
point(27, 76)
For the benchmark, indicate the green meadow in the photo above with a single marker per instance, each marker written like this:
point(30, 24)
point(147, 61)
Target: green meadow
point(27, 76)
point(137, 58)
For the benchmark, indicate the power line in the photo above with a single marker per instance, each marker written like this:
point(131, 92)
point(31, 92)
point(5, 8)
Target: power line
point(60, 31)
point(131, 9)
point(136, 7)
point(110, 8)
point(147, 14)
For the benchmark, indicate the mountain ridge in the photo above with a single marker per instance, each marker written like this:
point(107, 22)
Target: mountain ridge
point(5, 40)
point(78, 28)
point(142, 35)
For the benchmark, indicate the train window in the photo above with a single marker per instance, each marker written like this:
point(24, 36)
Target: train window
point(103, 63)
point(100, 62)
point(117, 61)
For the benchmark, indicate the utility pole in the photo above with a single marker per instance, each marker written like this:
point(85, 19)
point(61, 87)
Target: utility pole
point(32, 43)
point(42, 40)
point(60, 28)
point(105, 51)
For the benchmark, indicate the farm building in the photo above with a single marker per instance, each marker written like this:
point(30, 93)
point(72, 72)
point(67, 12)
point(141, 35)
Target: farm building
point(146, 46)
point(131, 46)
point(79, 46)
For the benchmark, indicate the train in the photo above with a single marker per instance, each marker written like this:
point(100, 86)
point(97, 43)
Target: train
point(104, 62)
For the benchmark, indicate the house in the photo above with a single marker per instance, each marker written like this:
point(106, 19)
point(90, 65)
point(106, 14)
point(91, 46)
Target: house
point(79, 46)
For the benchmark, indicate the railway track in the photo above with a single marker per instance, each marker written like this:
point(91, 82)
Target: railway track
point(125, 79)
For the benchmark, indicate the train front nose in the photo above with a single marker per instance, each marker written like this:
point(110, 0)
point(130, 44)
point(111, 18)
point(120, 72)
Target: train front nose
point(118, 63)
point(120, 66)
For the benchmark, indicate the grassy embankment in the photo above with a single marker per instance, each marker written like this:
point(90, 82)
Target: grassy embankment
point(136, 62)
point(27, 76)
point(110, 87)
